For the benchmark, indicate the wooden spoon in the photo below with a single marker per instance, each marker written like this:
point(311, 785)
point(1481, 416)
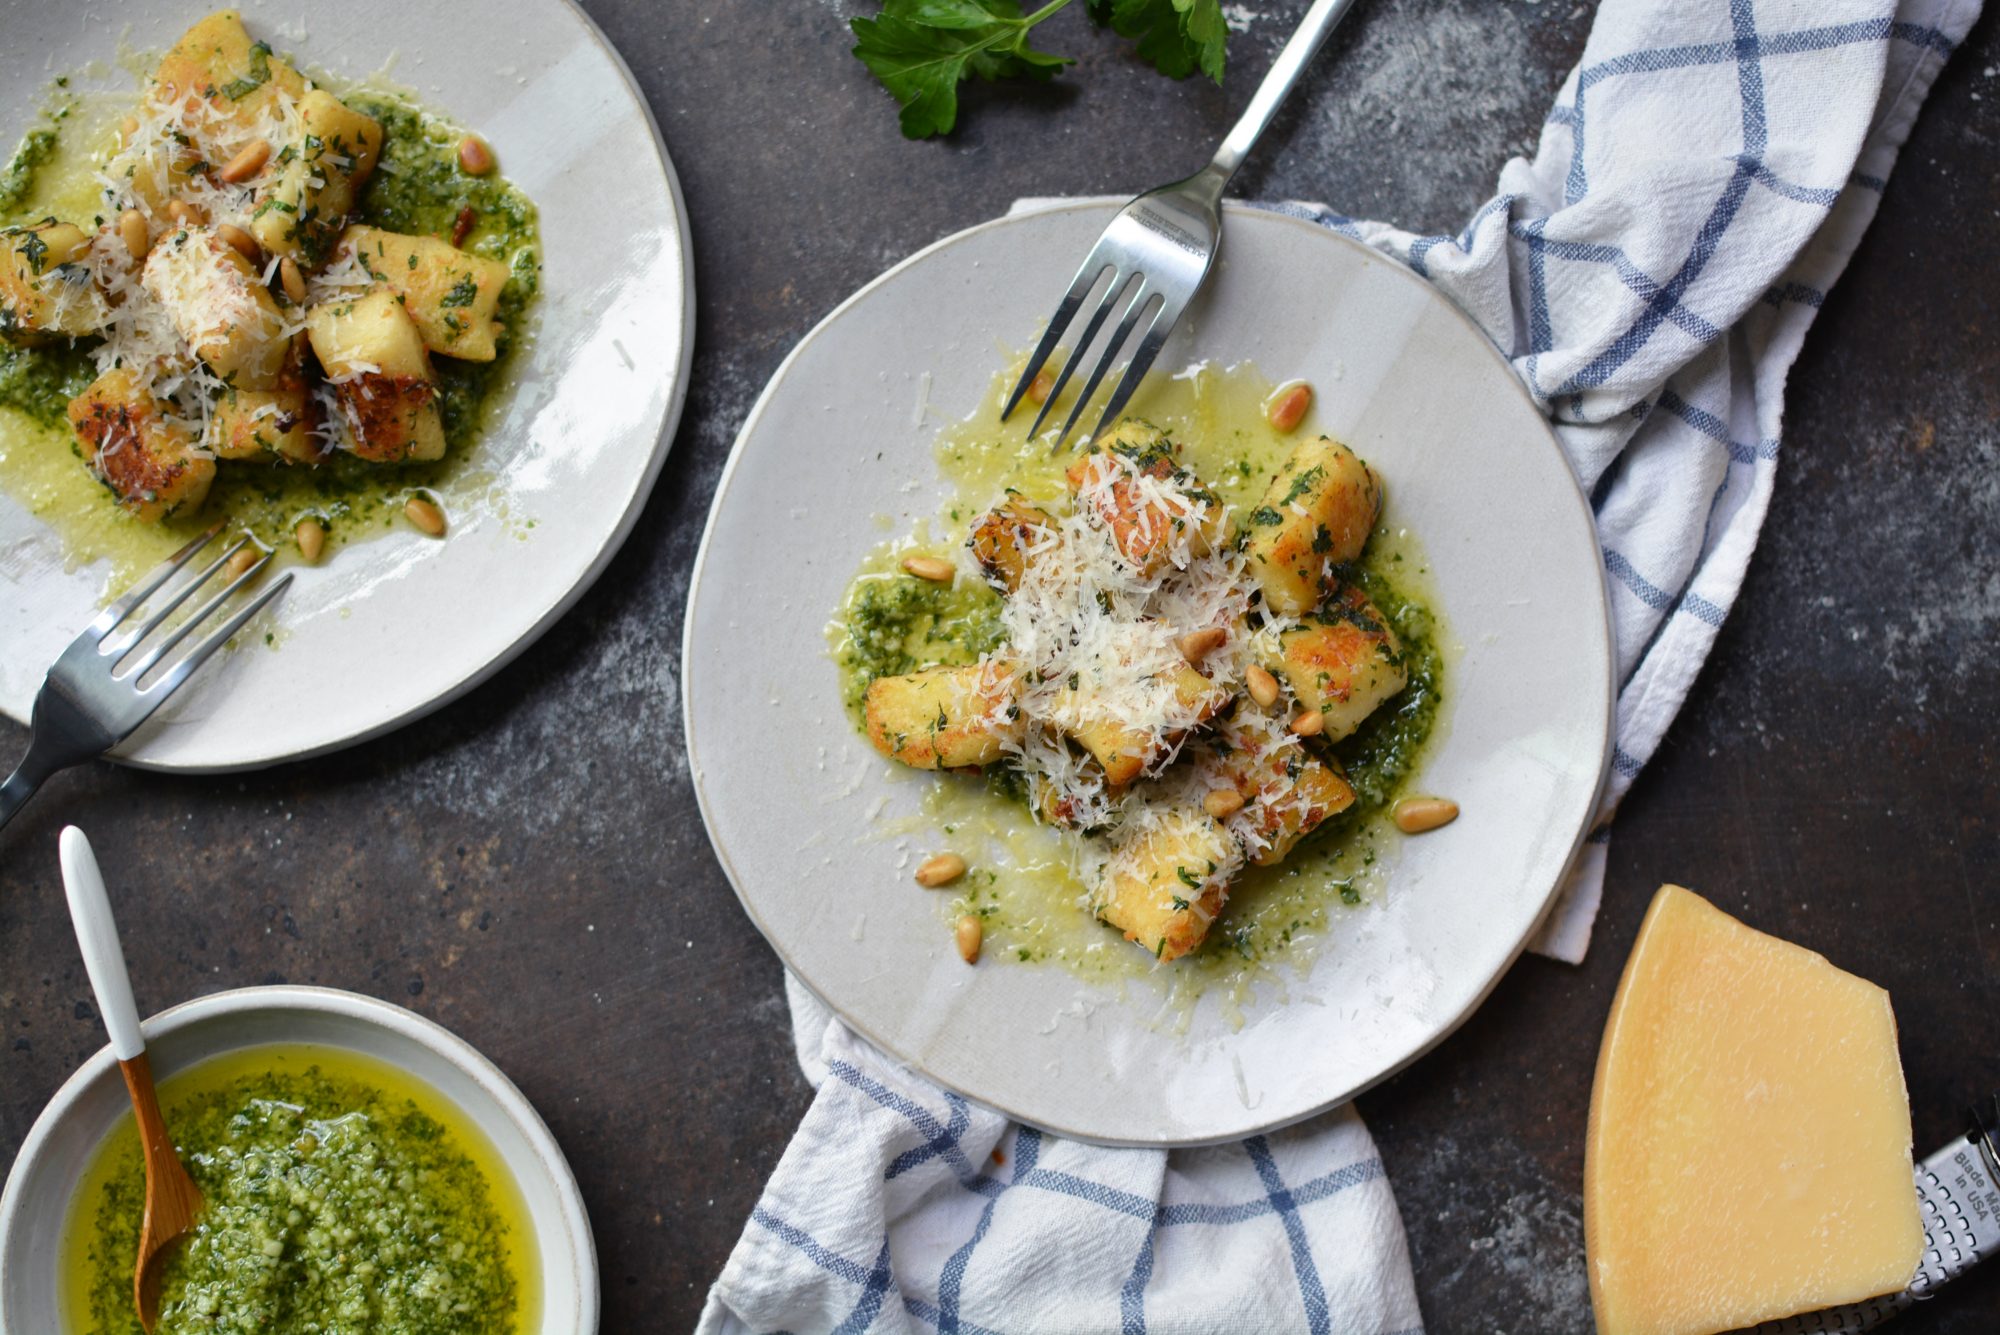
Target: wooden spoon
point(172, 1198)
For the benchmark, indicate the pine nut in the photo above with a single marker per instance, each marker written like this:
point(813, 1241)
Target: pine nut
point(311, 537)
point(969, 933)
point(292, 280)
point(240, 563)
point(185, 214)
point(241, 241)
point(1309, 724)
point(1042, 386)
point(132, 230)
point(1414, 815)
point(935, 569)
point(1288, 409)
point(940, 870)
point(1222, 803)
point(426, 514)
point(475, 157)
point(247, 163)
point(1263, 686)
point(1199, 644)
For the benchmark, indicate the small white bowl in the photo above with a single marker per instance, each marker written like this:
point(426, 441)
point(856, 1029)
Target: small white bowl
point(35, 1207)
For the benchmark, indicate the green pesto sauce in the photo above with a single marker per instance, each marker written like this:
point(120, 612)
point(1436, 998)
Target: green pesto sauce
point(897, 623)
point(39, 382)
point(330, 1207)
point(1020, 886)
point(17, 182)
point(417, 188)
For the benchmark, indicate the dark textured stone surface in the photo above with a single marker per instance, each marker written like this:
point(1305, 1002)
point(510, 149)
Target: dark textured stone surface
point(528, 868)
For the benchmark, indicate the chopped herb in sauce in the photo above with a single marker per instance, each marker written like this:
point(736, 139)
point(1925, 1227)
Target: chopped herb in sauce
point(260, 74)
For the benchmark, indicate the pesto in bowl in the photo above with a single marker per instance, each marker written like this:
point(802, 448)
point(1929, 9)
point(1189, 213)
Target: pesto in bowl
point(340, 1197)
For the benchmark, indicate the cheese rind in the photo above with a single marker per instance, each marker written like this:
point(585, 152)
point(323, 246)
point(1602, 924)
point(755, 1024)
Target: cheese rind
point(1748, 1155)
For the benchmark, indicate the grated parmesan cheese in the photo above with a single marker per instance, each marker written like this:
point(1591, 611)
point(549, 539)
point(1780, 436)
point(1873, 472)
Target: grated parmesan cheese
point(155, 314)
point(1092, 637)
point(1092, 633)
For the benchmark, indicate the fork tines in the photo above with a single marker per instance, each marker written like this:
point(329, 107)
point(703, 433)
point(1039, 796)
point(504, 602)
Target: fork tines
point(158, 580)
point(1144, 269)
point(1126, 291)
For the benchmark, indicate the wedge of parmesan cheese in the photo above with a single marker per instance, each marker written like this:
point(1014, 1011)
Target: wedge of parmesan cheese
point(1749, 1147)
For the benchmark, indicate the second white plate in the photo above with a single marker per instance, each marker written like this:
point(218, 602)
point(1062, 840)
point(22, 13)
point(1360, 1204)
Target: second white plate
point(394, 627)
point(790, 791)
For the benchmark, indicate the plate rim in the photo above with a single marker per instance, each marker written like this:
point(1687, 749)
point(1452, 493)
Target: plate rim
point(607, 551)
point(697, 775)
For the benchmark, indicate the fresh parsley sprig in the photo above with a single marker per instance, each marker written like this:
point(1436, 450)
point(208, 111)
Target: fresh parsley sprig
point(922, 50)
point(1176, 36)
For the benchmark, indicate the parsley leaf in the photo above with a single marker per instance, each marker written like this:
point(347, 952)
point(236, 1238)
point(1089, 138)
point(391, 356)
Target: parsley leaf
point(922, 50)
point(1176, 36)
point(260, 73)
point(34, 250)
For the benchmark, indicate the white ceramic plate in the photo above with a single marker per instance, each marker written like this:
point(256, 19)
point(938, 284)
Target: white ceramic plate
point(789, 789)
point(43, 1180)
point(596, 397)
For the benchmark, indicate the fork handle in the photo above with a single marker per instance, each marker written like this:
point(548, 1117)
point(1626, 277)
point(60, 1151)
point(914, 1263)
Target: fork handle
point(1270, 94)
point(21, 785)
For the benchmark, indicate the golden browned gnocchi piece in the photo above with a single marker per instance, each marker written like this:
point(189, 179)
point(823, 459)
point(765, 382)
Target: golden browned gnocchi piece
point(452, 296)
point(1285, 791)
point(1316, 515)
point(216, 62)
point(1167, 881)
point(1110, 482)
point(943, 717)
point(45, 289)
point(269, 425)
point(148, 462)
point(381, 376)
point(219, 306)
point(1124, 752)
point(300, 214)
point(1004, 536)
point(1342, 662)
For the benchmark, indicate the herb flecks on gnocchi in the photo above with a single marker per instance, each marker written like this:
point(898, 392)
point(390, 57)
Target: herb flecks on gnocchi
point(237, 311)
point(1119, 694)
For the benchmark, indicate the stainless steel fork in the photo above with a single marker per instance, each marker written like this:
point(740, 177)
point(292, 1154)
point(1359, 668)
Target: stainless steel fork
point(86, 706)
point(1159, 249)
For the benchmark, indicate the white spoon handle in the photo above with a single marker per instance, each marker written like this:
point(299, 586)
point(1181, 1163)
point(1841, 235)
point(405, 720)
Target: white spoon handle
point(97, 934)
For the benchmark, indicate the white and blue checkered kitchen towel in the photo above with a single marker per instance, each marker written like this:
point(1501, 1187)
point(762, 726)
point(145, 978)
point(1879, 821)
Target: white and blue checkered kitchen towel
point(1703, 179)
